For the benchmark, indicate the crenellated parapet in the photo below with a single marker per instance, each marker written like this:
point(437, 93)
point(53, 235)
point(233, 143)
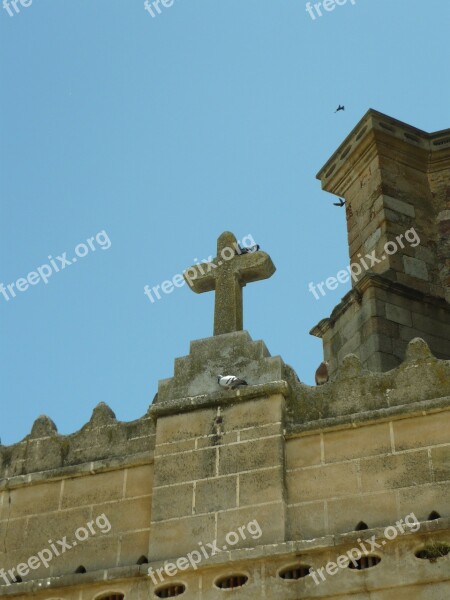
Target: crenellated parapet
point(421, 383)
point(102, 438)
point(354, 394)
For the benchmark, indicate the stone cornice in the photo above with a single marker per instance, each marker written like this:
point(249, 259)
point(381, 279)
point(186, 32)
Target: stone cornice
point(393, 413)
point(379, 134)
point(90, 468)
point(371, 280)
point(220, 398)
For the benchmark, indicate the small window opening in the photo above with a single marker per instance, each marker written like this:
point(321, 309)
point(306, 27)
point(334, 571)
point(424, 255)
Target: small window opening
point(365, 562)
point(296, 572)
point(230, 582)
point(171, 591)
point(433, 516)
point(434, 551)
point(81, 569)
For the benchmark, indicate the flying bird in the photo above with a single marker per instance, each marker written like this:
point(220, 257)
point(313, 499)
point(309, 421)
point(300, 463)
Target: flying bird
point(322, 373)
point(339, 108)
point(248, 249)
point(340, 203)
point(230, 382)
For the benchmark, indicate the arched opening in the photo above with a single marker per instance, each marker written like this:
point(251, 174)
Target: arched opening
point(361, 525)
point(80, 569)
point(433, 515)
point(142, 560)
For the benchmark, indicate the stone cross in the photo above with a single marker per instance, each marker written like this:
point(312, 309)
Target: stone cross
point(227, 274)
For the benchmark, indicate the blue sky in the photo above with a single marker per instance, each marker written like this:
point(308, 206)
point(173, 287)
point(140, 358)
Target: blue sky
point(164, 132)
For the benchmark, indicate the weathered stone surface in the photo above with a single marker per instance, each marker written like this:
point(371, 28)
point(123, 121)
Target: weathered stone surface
point(233, 353)
point(227, 274)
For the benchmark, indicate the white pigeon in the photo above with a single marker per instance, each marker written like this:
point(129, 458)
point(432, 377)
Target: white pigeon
point(230, 382)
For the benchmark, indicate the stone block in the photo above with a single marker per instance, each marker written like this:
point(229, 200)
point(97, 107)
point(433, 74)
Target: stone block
point(355, 443)
point(268, 529)
point(183, 426)
point(219, 438)
point(127, 515)
point(398, 315)
point(15, 535)
point(260, 431)
point(172, 501)
point(440, 458)
point(376, 510)
point(176, 446)
point(424, 499)
point(189, 466)
point(381, 361)
point(29, 500)
point(139, 481)
point(55, 526)
point(426, 430)
point(303, 451)
point(318, 483)
point(253, 413)
point(247, 456)
point(306, 521)
point(93, 489)
point(375, 343)
point(218, 493)
point(95, 553)
point(180, 536)
point(133, 546)
point(395, 471)
point(262, 486)
point(416, 268)
point(399, 206)
point(438, 326)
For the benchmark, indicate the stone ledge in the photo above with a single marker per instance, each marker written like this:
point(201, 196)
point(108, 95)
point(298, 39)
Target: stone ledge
point(364, 418)
point(92, 468)
point(382, 282)
point(220, 398)
point(376, 128)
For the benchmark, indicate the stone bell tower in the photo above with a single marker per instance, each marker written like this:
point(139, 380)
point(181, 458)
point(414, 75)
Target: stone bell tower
point(394, 179)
